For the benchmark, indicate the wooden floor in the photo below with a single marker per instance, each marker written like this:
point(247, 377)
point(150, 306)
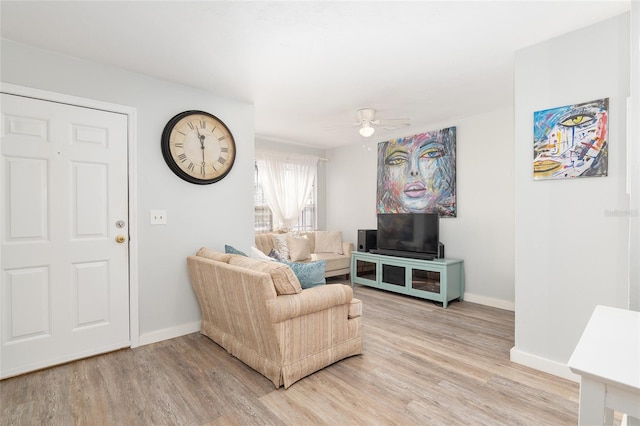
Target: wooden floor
point(422, 365)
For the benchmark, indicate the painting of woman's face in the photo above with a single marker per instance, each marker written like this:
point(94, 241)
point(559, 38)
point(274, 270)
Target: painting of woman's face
point(571, 141)
point(417, 174)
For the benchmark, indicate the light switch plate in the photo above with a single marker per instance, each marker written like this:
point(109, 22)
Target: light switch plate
point(158, 217)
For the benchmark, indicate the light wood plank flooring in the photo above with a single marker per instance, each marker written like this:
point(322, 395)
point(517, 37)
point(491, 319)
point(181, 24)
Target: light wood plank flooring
point(422, 365)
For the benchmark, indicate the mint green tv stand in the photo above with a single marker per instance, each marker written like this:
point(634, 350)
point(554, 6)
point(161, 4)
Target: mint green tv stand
point(441, 280)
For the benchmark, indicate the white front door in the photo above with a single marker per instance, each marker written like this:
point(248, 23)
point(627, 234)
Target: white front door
point(64, 208)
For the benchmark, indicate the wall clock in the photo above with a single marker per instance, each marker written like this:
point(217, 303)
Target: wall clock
point(198, 147)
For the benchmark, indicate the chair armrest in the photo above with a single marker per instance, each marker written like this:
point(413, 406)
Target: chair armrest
point(347, 248)
point(355, 308)
point(310, 300)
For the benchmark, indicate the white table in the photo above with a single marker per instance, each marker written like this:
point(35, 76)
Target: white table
point(607, 358)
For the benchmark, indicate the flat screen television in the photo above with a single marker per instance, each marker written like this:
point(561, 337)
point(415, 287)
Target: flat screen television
point(414, 235)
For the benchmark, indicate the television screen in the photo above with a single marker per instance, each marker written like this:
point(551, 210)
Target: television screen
point(409, 232)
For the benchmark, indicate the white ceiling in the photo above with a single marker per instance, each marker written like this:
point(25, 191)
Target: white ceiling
point(307, 66)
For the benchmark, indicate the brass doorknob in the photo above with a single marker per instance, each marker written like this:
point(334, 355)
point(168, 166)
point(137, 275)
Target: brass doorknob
point(120, 239)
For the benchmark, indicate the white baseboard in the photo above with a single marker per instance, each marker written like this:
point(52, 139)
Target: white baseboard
point(489, 301)
point(169, 333)
point(543, 364)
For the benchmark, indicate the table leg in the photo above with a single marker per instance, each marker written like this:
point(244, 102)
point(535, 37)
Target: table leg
point(592, 402)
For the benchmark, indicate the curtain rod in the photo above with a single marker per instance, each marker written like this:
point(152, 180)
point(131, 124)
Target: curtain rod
point(290, 154)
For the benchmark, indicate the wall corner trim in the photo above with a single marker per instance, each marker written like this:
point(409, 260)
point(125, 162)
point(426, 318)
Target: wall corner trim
point(169, 333)
point(490, 301)
point(543, 364)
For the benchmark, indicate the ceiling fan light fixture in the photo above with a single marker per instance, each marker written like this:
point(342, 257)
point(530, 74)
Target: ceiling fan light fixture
point(366, 130)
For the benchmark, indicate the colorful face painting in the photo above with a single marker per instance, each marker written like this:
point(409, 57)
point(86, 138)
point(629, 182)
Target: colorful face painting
point(417, 174)
point(571, 141)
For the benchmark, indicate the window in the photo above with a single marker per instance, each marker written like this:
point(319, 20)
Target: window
point(263, 217)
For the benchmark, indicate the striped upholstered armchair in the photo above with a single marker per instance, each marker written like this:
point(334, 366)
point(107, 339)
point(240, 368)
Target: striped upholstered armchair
point(259, 313)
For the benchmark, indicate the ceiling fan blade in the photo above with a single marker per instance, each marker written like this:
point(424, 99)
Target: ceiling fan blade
point(393, 123)
point(341, 126)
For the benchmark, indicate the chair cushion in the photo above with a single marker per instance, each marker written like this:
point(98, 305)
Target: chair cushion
point(299, 248)
point(310, 274)
point(284, 280)
point(280, 244)
point(213, 255)
point(232, 250)
point(329, 242)
point(275, 254)
point(334, 261)
point(257, 254)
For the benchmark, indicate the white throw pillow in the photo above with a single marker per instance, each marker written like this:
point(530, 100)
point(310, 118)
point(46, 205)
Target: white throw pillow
point(299, 248)
point(257, 254)
point(280, 244)
point(329, 242)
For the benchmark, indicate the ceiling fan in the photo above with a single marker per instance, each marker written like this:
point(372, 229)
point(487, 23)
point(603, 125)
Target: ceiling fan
point(368, 122)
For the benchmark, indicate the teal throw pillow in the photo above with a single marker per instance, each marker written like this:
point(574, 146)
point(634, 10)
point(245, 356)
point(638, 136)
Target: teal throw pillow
point(310, 274)
point(232, 250)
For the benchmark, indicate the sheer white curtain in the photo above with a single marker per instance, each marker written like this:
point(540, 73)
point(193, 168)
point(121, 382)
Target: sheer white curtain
point(287, 181)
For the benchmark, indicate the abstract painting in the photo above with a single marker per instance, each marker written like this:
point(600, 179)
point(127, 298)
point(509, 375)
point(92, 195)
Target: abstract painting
point(417, 174)
point(571, 141)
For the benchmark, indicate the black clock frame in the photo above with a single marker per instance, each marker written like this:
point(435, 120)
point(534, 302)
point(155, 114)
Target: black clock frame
point(166, 151)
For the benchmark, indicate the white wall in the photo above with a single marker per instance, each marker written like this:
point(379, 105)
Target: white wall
point(483, 232)
point(571, 236)
point(198, 215)
point(634, 162)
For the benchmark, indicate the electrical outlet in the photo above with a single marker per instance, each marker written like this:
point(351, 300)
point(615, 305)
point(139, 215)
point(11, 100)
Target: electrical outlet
point(158, 217)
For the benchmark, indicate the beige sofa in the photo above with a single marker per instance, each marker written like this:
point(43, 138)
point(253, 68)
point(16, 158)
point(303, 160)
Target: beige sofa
point(257, 311)
point(336, 252)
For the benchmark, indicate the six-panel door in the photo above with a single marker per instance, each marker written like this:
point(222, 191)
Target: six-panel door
point(65, 285)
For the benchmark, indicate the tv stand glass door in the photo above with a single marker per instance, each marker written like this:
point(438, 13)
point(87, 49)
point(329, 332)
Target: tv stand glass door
point(441, 280)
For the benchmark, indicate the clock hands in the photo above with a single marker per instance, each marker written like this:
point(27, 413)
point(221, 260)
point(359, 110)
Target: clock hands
point(201, 137)
point(204, 163)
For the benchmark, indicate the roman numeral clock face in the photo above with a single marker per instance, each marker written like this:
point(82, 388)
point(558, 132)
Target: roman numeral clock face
point(198, 147)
